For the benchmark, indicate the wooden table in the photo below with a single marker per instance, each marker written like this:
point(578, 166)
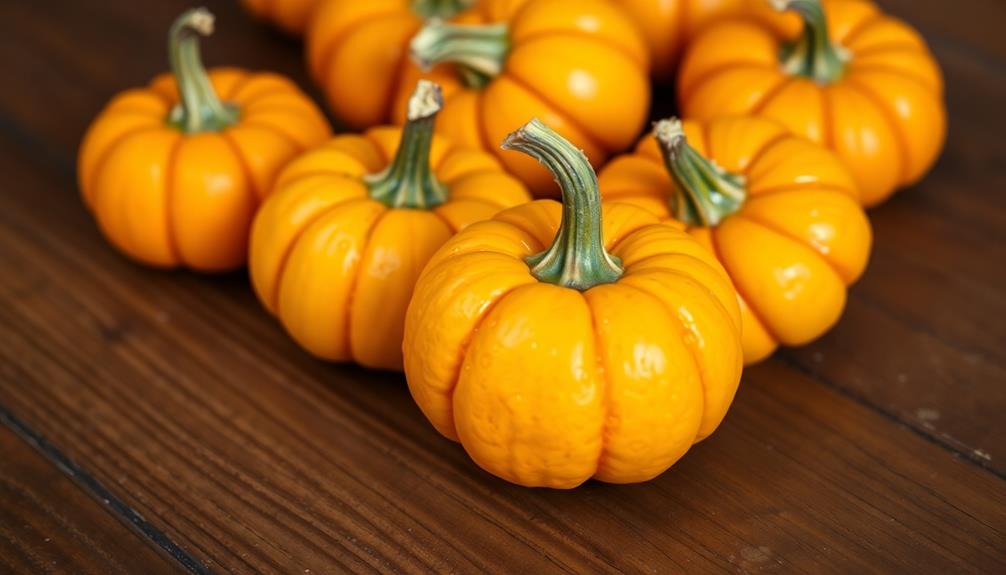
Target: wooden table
point(161, 421)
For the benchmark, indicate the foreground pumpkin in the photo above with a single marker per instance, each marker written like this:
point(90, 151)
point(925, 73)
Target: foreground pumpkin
point(289, 15)
point(175, 181)
point(606, 354)
point(859, 81)
point(580, 65)
point(781, 214)
point(357, 49)
point(337, 248)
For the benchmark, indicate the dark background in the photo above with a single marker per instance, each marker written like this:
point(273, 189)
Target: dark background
point(157, 421)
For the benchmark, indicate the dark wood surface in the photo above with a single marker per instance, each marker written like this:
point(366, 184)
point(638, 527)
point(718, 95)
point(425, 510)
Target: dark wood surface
point(175, 426)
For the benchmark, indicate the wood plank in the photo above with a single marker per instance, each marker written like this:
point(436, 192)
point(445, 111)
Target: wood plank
point(180, 392)
point(49, 525)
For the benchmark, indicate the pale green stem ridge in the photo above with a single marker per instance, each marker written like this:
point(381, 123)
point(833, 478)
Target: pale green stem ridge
point(577, 258)
point(478, 50)
point(439, 8)
point(704, 193)
point(200, 109)
point(409, 181)
point(813, 55)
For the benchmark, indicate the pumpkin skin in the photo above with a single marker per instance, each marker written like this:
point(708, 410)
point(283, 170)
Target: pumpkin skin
point(291, 16)
point(337, 266)
point(883, 112)
point(797, 241)
point(545, 385)
point(670, 25)
point(356, 51)
point(168, 198)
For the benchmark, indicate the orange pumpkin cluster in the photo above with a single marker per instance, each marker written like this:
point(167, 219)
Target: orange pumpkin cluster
point(599, 336)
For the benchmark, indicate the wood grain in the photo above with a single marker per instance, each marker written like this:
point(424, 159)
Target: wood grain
point(48, 525)
point(879, 448)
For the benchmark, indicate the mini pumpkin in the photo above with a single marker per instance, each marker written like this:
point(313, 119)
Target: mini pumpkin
point(175, 179)
point(855, 79)
point(337, 248)
point(356, 51)
point(579, 65)
point(781, 213)
point(559, 342)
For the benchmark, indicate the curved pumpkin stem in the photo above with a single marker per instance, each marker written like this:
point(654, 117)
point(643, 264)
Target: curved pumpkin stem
point(704, 193)
point(577, 258)
point(440, 8)
point(478, 50)
point(813, 55)
point(200, 109)
point(409, 181)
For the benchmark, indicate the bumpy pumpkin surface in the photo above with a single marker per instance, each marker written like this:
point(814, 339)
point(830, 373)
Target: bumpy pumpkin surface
point(854, 79)
point(337, 247)
point(289, 15)
point(606, 354)
point(175, 179)
point(781, 213)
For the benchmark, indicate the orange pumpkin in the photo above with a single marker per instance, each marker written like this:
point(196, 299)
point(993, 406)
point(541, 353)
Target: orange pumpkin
point(356, 51)
point(559, 342)
point(855, 79)
point(781, 213)
point(579, 65)
point(175, 180)
point(289, 15)
point(337, 247)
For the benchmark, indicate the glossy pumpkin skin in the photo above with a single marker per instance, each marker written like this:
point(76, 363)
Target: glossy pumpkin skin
point(338, 267)
point(794, 245)
point(551, 380)
point(291, 16)
point(581, 66)
point(170, 198)
point(670, 25)
point(884, 115)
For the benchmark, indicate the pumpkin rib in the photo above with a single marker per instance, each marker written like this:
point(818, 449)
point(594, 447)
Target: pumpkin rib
point(769, 95)
point(759, 154)
point(355, 280)
point(892, 123)
point(169, 182)
point(850, 38)
point(827, 120)
point(580, 35)
point(773, 228)
point(251, 189)
point(465, 346)
point(294, 240)
point(604, 379)
point(702, 262)
point(895, 71)
point(706, 76)
point(335, 43)
point(859, 27)
point(558, 111)
point(715, 243)
point(885, 47)
point(272, 127)
point(236, 86)
point(804, 186)
point(102, 158)
point(682, 334)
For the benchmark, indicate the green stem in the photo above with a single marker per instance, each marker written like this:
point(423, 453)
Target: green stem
point(813, 55)
point(409, 181)
point(427, 9)
point(577, 258)
point(704, 193)
point(478, 50)
point(200, 109)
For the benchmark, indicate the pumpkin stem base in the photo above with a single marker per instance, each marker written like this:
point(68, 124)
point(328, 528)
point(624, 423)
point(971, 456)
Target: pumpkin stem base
point(577, 258)
point(704, 193)
point(409, 182)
